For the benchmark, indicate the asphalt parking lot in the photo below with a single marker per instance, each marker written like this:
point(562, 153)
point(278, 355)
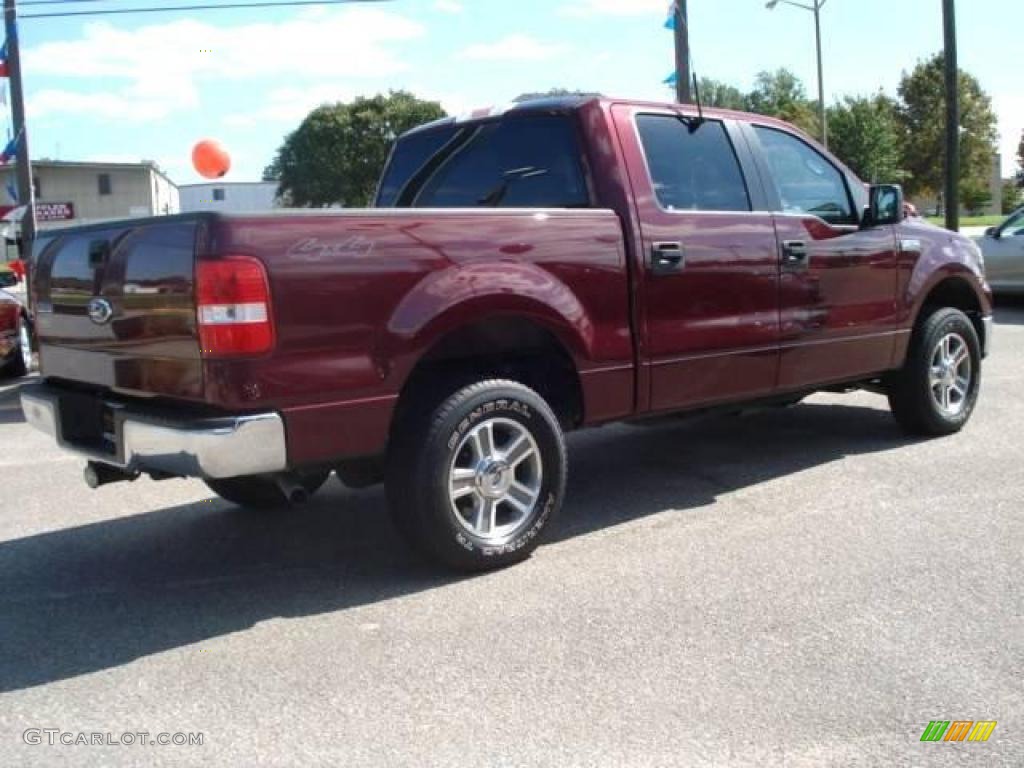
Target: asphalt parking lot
point(803, 587)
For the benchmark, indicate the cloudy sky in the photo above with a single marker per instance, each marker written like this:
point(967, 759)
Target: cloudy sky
point(127, 87)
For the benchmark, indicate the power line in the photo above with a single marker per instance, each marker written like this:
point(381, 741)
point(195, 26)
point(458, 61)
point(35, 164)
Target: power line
point(170, 8)
point(58, 2)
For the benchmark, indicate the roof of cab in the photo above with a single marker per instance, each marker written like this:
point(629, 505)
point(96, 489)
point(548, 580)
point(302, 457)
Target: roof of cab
point(573, 103)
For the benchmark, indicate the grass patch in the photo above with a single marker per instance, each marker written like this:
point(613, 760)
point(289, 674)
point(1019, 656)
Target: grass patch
point(970, 221)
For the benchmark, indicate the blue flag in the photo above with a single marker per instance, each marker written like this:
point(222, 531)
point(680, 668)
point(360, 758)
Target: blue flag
point(671, 79)
point(673, 14)
point(10, 150)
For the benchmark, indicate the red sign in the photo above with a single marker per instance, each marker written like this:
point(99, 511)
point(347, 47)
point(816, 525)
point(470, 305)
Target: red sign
point(44, 212)
point(54, 211)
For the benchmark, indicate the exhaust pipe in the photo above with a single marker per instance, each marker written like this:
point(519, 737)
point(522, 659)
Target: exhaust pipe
point(293, 490)
point(97, 474)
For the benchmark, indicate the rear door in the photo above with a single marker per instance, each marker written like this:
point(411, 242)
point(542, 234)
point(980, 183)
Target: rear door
point(838, 283)
point(708, 313)
point(116, 307)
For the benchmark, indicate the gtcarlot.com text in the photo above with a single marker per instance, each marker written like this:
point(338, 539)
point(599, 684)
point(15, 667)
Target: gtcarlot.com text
point(58, 737)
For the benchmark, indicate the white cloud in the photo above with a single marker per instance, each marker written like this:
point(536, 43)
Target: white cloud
point(512, 48)
point(585, 8)
point(448, 6)
point(160, 64)
point(290, 105)
point(1011, 121)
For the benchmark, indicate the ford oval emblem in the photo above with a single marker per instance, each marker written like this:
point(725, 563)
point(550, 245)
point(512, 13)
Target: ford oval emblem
point(100, 310)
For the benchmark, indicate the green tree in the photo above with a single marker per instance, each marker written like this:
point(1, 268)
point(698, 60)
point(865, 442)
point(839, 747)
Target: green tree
point(781, 94)
point(1020, 161)
point(922, 116)
point(975, 196)
point(1013, 197)
point(714, 93)
point(337, 153)
point(864, 132)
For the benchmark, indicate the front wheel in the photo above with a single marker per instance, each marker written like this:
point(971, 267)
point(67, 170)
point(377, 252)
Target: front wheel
point(937, 389)
point(476, 481)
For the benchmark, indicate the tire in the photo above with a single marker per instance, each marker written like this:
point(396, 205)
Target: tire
point(261, 491)
point(20, 362)
point(454, 492)
point(935, 392)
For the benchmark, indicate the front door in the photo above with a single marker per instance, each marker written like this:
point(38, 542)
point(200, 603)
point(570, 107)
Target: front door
point(1004, 254)
point(838, 282)
point(708, 308)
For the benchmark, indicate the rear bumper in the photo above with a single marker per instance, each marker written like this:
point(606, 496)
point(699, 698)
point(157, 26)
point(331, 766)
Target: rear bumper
point(138, 440)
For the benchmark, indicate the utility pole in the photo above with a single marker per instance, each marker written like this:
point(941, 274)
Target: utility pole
point(26, 191)
point(683, 79)
point(952, 195)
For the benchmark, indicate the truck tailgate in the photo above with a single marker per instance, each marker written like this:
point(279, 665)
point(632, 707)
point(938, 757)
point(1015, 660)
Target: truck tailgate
point(115, 307)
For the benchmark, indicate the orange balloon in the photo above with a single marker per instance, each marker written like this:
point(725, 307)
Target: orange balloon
point(210, 159)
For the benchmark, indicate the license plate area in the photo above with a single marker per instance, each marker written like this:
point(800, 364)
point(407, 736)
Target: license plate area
point(88, 423)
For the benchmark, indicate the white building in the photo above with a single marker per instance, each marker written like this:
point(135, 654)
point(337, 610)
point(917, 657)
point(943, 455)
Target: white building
point(70, 193)
point(229, 197)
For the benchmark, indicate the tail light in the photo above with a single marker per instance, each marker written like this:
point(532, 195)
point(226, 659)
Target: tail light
point(233, 307)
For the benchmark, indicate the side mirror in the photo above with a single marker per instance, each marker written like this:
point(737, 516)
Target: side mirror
point(886, 205)
point(992, 232)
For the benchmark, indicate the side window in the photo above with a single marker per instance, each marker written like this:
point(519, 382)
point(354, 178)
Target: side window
point(692, 169)
point(806, 181)
point(517, 162)
point(1014, 226)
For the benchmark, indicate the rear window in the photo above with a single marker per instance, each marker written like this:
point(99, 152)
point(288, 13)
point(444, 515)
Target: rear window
point(518, 162)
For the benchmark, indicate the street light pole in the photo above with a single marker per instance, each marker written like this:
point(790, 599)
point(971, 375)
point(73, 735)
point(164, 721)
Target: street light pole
point(816, 10)
point(821, 73)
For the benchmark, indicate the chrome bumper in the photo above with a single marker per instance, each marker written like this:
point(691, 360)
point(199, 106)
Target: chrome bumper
point(989, 324)
point(144, 442)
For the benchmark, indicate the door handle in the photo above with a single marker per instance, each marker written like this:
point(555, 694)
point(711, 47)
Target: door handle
point(666, 258)
point(794, 254)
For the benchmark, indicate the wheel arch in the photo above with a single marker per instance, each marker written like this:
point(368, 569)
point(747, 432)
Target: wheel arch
point(957, 290)
point(521, 347)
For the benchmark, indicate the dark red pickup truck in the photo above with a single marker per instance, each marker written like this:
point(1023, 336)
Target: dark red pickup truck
point(560, 264)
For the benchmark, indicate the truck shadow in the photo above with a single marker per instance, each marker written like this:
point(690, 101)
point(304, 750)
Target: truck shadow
point(1009, 310)
point(10, 402)
point(101, 595)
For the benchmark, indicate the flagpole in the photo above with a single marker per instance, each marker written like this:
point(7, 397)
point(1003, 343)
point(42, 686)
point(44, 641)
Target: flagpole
point(682, 31)
point(26, 191)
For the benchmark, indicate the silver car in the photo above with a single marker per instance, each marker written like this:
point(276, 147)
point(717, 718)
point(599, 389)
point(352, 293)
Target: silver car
point(1003, 247)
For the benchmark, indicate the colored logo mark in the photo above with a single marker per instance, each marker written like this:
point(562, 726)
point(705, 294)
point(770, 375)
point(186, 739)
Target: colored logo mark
point(958, 730)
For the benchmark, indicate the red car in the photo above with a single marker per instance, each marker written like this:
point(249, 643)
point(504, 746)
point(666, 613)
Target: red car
point(560, 264)
point(15, 337)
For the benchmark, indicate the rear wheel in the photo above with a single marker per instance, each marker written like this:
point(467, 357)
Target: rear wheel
point(263, 491)
point(937, 389)
point(474, 482)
